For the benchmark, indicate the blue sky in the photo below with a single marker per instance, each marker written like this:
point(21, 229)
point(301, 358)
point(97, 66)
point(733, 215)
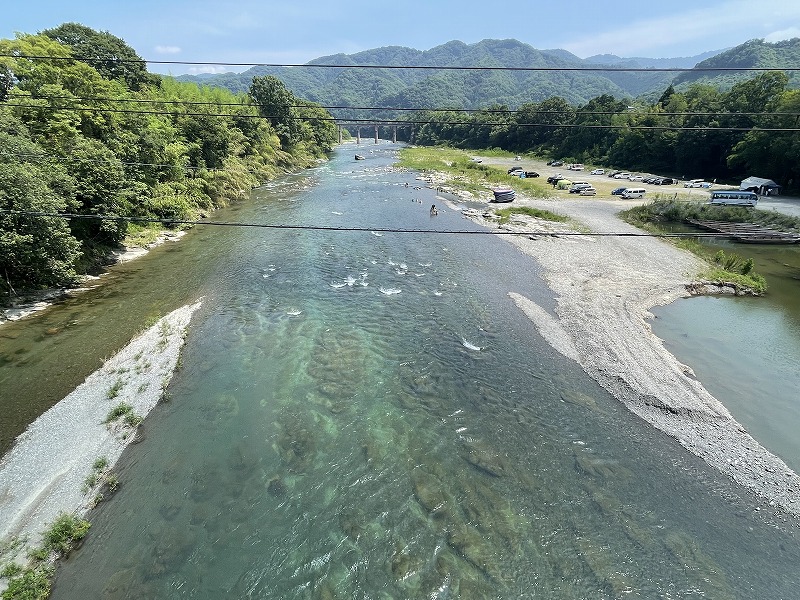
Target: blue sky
point(268, 31)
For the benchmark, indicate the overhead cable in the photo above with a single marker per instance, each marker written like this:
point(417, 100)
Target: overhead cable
point(606, 69)
point(575, 113)
point(399, 123)
point(171, 222)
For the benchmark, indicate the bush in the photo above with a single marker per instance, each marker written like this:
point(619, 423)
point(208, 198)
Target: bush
point(32, 584)
point(64, 532)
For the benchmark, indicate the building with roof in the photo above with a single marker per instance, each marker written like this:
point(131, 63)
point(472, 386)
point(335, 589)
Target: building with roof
point(762, 187)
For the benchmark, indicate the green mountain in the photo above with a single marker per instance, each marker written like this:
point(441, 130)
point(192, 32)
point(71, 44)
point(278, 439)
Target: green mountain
point(398, 87)
point(752, 54)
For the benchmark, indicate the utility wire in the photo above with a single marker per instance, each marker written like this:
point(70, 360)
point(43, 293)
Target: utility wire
point(406, 109)
point(399, 123)
point(171, 222)
point(606, 69)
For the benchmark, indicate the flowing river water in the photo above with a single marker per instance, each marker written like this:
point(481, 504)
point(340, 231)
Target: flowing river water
point(368, 415)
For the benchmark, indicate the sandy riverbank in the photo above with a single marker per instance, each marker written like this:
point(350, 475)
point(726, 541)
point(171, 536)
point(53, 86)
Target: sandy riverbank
point(45, 471)
point(604, 288)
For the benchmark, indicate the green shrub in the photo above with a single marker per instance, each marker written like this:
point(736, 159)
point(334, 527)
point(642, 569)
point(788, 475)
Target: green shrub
point(64, 532)
point(120, 410)
point(31, 584)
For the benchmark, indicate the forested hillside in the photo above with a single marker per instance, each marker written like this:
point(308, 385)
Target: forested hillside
point(426, 88)
point(700, 132)
point(87, 131)
point(752, 54)
point(417, 88)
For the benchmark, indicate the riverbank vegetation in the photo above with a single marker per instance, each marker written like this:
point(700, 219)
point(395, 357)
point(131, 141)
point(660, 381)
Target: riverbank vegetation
point(698, 132)
point(505, 214)
point(724, 267)
point(33, 580)
point(88, 131)
point(464, 173)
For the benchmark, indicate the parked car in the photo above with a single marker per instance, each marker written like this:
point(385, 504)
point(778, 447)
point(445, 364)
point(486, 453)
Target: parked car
point(475, 159)
point(633, 193)
point(696, 183)
point(512, 169)
point(578, 186)
point(614, 173)
point(622, 175)
point(517, 158)
point(575, 167)
point(635, 178)
point(531, 174)
point(556, 163)
point(555, 178)
point(598, 172)
point(618, 191)
point(589, 191)
point(666, 181)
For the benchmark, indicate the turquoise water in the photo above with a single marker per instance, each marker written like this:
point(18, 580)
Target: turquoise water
point(370, 416)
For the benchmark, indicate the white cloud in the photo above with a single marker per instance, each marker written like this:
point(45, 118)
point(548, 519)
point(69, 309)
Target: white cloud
point(167, 50)
point(212, 69)
point(784, 34)
point(737, 19)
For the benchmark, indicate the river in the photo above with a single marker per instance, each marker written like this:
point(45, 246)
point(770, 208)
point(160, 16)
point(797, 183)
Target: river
point(746, 351)
point(368, 415)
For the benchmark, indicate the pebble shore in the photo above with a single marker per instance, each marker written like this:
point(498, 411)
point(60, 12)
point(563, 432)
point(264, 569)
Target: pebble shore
point(45, 472)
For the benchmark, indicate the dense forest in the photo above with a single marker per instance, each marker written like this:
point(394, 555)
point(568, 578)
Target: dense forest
point(701, 132)
point(85, 129)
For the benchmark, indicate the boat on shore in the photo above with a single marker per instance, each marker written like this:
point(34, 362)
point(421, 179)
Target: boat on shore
point(504, 195)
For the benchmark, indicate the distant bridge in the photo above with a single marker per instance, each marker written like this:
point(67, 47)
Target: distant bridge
point(374, 126)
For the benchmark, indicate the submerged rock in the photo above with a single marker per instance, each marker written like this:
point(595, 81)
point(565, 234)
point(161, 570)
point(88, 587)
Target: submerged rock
point(484, 458)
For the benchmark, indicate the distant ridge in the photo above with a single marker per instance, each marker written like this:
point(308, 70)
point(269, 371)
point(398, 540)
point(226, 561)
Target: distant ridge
point(425, 89)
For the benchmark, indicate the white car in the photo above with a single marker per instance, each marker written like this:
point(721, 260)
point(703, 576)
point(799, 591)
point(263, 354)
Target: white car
point(599, 172)
point(622, 175)
point(589, 191)
point(635, 178)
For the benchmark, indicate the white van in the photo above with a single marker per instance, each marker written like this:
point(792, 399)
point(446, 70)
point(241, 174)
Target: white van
point(633, 193)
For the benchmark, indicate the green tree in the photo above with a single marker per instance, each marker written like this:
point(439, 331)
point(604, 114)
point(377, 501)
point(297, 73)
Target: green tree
point(35, 251)
point(275, 104)
point(106, 53)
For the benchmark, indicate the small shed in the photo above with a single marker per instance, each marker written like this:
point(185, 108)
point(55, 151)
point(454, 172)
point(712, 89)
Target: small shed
point(762, 187)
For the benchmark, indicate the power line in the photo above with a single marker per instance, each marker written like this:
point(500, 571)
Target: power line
point(576, 113)
point(397, 122)
point(408, 67)
point(172, 222)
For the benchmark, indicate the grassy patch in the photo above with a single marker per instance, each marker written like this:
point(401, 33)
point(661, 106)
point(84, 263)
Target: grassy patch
point(120, 410)
point(724, 267)
point(466, 174)
point(138, 235)
point(506, 213)
point(114, 390)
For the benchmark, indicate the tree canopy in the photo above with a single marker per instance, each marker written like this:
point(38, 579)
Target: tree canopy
point(89, 130)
